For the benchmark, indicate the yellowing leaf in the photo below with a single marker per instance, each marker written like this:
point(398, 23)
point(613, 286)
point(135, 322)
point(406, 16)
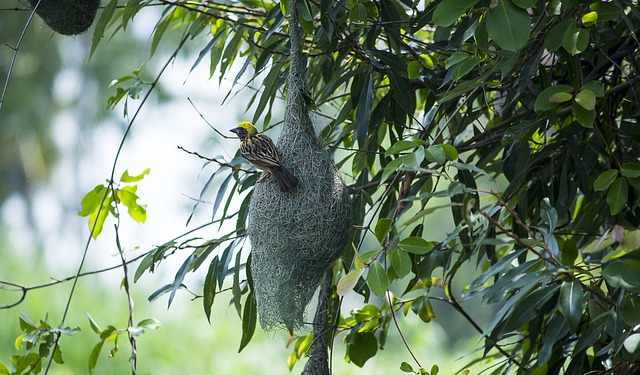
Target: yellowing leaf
point(560, 97)
point(348, 282)
point(587, 99)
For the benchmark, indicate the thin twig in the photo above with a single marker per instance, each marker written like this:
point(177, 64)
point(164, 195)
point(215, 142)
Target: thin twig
point(127, 290)
point(15, 52)
point(101, 207)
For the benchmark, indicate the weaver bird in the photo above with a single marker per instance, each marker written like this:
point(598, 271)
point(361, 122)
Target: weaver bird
point(260, 151)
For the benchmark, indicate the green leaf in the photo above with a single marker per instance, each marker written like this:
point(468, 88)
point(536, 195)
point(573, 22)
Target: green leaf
point(448, 11)
point(575, 40)
point(128, 197)
point(587, 99)
point(508, 25)
point(383, 227)
point(91, 201)
point(209, 288)
point(599, 244)
point(596, 87)
point(26, 325)
point(391, 168)
point(413, 69)
point(405, 367)
point(3, 369)
point(362, 347)
point(525, 4)
point(101, 25)
point(606, 11)
point(605, 179)
point(349, 281)
point(555, 36)
point(584, 117)
point(623, 274)
point(249, 318)
point(358, 13)
point(571, 303)
point(93, 357)
point(365, 105)
point(126, 177)
point(130, 9)
point(543, 102)
point(450, 152)
point(182, 272)
point(456, 58)
point(400, 146)
point(95, 327)
point(630, 170)
point(236, 291)
point(435, 154)
point(159, 30)
point(377, 279)
point(617, 196)
point(415, 245)
point(401, 263)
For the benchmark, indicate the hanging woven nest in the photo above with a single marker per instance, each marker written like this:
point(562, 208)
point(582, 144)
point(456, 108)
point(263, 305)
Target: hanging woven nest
point(296, 236)
point(67, 17)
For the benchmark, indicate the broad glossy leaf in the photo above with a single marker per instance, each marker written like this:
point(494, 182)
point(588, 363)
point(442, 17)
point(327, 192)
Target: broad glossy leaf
point(586, 99)
point(605, 179)
point(415, 245)
point(383, 227)
point(361, 347)
point(525, 4)
point(508, 25)
point(555, 36)
point(543, 102)
point(377, 279)
point(575, 40)
point(448, 11)
point(401, 263)
point(571, 303)
point(623, 274)
point(595, 86)
point(617, 196)
point(402, 145)
point(436, 154)
point(630, 170)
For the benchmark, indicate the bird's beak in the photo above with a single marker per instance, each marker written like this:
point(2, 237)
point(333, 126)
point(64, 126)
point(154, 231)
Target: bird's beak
point(234, 130)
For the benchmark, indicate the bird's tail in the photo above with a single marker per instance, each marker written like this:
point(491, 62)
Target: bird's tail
point(286, 180)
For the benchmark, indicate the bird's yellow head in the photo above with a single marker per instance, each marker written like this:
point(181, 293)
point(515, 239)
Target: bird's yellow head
point(244, 130)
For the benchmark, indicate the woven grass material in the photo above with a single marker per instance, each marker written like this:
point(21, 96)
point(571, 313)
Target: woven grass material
point(66, 17)
point(295, 236)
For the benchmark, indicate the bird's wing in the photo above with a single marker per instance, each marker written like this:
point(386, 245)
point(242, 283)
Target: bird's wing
point(261, 149)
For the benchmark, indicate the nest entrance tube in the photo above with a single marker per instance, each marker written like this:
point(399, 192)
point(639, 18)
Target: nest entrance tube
point(296, 236)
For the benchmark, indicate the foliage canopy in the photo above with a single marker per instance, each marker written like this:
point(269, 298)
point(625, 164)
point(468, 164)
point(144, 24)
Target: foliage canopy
point(520, 115)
